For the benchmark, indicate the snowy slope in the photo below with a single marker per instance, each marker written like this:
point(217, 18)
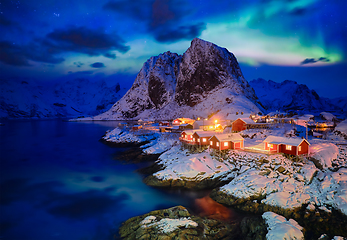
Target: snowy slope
point(206, 79)
point(78, 97)
point(289, 95)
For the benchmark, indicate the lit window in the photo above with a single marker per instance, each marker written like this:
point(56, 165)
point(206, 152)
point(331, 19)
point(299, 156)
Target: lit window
point(194, 140)
point(226, 144)
point(198, 139)
point(217, 144)
point(204, 139)
point(182, 135)
point(299, 148)
point(211, 143)
point(288, 147)
point(268, 145)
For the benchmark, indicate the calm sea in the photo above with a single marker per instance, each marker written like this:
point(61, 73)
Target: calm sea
point(57, 181)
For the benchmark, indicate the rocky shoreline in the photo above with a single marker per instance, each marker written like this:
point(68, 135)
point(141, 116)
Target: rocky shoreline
point(178, 223)
point(254, 183)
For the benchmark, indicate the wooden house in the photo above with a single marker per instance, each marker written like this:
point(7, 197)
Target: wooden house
point(241, 124)
point(179, 121)
point(187, 137)
point(185, 126)
point(293, 146)
point(136, 127)
point(164, 123)
point(226, 141)
point(201, 137)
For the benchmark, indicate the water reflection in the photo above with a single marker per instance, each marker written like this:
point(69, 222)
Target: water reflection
point(208, 207)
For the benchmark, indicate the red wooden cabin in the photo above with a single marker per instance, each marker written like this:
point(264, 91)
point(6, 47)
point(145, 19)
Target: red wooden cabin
point(187, 137)
point(164, 123)
point(226, 141)
point(241, 124)
point(293, 146)
point(136, 127)
point(201, 137)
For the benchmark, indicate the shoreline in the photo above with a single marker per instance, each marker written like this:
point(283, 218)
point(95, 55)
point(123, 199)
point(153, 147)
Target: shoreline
point(314, 220)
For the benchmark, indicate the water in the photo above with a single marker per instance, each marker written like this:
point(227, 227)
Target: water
point(57, 181)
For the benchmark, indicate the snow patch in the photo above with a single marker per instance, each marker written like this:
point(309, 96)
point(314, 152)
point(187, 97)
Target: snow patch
point(280, 228)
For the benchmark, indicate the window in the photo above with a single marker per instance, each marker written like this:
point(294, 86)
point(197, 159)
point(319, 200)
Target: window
point(299, 148)
point(270, 145)
point(288, 147)
point(194, 140)
point(211, 143)
point(217, 144)
point(198, 139)
point(182, 136)
point(226, 144)
point(204, 140)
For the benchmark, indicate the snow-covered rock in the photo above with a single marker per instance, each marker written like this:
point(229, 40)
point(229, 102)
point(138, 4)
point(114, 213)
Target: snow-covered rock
point(280, 228)
point(206, 79)
point(342, 128)
point(324, 153)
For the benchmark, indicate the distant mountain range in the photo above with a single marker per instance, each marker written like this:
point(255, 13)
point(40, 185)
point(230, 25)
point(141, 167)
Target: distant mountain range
point(291, 96)
point(206, 80)
point(73, 98)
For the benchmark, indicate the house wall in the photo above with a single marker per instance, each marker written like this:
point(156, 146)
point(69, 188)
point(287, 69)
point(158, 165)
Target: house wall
point(214, 143)
point(226, 147)
point(273, 148)
point(282, 149)
point(238, 125)
point(304, 148)
point(237, 145)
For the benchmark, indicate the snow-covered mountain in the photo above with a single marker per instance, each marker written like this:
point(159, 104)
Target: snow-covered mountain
point(340, 102)
point(290, 96)
point(73, 98)
point(205, 80)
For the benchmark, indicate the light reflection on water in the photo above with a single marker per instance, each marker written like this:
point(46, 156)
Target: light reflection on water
point(57, 181)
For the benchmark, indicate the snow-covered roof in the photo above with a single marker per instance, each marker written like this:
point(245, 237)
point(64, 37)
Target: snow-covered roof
point(191, 132)
point(205, 133)
point(234, 137)
point(185, 125)
point(284, 140)
point(247, 120)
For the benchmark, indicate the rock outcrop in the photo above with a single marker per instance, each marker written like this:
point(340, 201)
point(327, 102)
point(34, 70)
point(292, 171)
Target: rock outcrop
point(178, 223)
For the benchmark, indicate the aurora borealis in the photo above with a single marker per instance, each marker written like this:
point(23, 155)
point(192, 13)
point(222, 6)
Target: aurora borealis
point(301, 40)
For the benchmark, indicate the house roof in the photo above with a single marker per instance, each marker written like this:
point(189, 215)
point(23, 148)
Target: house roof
point(205, 133)
point(247, 120)
point(185, 125)
point(284, 140)
point(191, 132)
point(234, 137)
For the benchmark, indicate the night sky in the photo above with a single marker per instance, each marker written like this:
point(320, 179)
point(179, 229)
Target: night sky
point(300, 40)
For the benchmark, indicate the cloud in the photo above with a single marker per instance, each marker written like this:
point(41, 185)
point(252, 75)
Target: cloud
point(78, 64)
point(165, 20)
point(314, 60)
point(17, 55)
point(97, 65)
point(180, 33)
point(84, 40)
point(76, 39)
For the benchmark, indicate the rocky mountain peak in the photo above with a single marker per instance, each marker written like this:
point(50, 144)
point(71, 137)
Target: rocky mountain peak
point(202, 74)
point(204, 67)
